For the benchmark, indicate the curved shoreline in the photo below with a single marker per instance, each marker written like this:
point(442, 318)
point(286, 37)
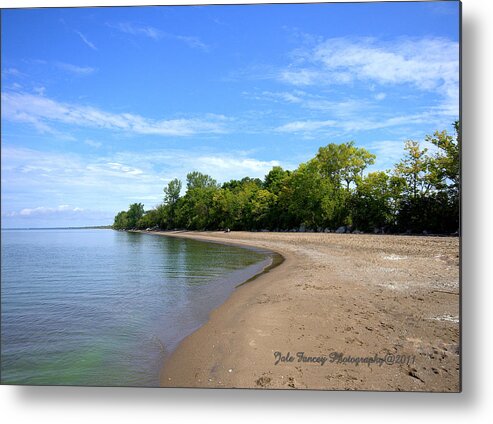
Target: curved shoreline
point(189, 344)
point(277, 259)
point(358, 295)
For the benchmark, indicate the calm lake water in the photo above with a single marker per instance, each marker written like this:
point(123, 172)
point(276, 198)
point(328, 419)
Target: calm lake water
point(101, 307)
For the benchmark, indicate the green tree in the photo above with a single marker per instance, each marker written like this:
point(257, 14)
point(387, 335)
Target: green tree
point(414, 168)
point(431, 195)
point(121, 221)
point(227, 207)
point(376, 201)
point(171, 198)
point(262, 203)
point(195, 209)
point(163, 220)
point(134, 213)
point(446, 163)
point(172, 192)
point(327, 191)
point(343, 162)
point(196, 179)
point(275, 179)
point(313, 200)
point(149, 220)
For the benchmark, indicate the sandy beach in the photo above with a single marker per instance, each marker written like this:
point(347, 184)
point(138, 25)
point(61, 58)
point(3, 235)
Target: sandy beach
point(342, 312)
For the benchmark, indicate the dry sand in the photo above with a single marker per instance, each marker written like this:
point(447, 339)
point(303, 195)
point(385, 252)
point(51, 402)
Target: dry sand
point(336, 296)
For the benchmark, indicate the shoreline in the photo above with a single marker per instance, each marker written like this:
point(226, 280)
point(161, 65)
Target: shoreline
point(276, 259)
point(359, 296)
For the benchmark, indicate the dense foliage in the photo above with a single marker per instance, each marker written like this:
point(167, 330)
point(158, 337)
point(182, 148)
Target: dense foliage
point(329, 191)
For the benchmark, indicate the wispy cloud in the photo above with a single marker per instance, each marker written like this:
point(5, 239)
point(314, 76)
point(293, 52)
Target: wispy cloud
point(42, 210)
point(190, 41)
point(85, 40)
point(337, 108)
point(7, 72)
point(305, 126)
point(134, 29)
point(355, 124)
point(40, 90)
point(427, 64)
point(305, 77)
point(56, 216)
point(124, 169)
point(74, 69)
point(157, 34)
point(30, 177)
point(228, 166)
point(15, 86)
point(62, 66)
point(223, 166)
point(42, 112)
point(297, 96)
point(92, 143)
point(368, 71)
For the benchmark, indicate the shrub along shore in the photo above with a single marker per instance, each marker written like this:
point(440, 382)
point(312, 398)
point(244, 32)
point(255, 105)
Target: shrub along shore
point(330, 192)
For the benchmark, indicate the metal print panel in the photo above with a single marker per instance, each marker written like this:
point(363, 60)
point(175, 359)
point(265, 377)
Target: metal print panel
point(232, 196)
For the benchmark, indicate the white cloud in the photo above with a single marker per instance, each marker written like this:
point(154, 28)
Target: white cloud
point(92, 143)
point(306, 77)
point(74, 69)
point(228, 167)
point(57, 216)
point(428, 64)
point(15, 86)
point(305, 126)
point(190, 41)
point(39, 90)
point(349, 115)
point(351, 125)
point(42, 210)
point(284, 96)
point(133, 29)
point(339, 109)
point(177, 163)
point(426, 67)
point(11, 72)
point(33, 179)
point(86, 41)
point(157, 34)
point(300, 77)
point(122, 169)
point(41, 111)
point(400, 124)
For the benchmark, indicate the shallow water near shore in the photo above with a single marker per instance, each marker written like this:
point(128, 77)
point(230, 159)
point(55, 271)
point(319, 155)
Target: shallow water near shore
point(101, 307)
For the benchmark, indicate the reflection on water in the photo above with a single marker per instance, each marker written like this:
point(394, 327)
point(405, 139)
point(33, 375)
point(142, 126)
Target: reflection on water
point(100, 307)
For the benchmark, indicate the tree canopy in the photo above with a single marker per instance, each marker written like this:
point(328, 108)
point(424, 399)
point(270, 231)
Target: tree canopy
point(332, 189)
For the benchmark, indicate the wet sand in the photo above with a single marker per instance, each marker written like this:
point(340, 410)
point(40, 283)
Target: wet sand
point(342, 312)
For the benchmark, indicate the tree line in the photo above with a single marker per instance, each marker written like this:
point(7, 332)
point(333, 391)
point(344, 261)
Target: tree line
point(331, 191)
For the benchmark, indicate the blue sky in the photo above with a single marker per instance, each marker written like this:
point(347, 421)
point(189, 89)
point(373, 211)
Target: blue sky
point(101, 107)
